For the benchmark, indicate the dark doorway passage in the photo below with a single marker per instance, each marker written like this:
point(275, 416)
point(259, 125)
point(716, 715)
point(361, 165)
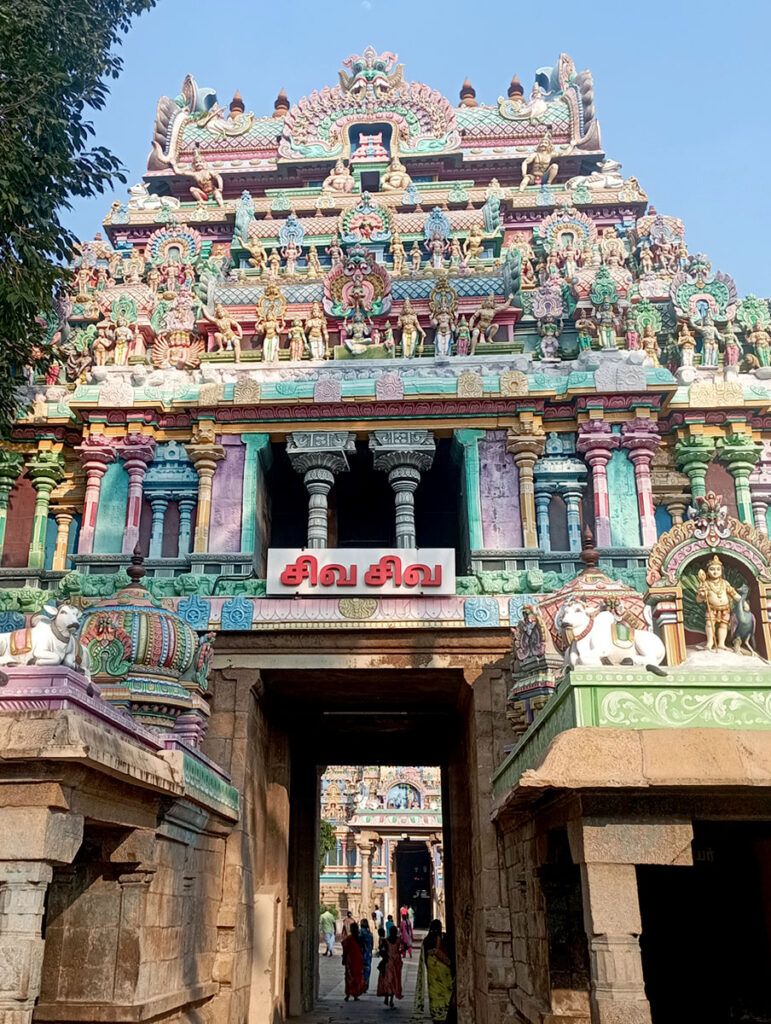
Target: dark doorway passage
point(705, 929)
point(413, 881)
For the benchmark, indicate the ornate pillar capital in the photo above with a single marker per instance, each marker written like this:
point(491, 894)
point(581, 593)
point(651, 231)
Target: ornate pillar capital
point(693, 454)
point(11, 466)
point(597, 442)
point(319, 455)
point(526, 448)
point(740, 453)
point(45, 469)
point(136, 451)
point(204, 453)
point(404, 455)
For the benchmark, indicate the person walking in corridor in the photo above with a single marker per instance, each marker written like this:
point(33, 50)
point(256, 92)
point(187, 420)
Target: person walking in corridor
point(390, 968)
point(405, 935)
point(328, 928)
point(435, 974)
point(365, 941)
point(353, 964)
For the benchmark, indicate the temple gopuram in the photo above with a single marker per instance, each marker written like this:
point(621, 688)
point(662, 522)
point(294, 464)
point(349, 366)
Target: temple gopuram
point(385, 429)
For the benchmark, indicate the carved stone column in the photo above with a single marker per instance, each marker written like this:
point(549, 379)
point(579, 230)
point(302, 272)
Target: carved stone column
point(11, 465)
point(542, 501)
point(137, 451)
point(64, 516)
point(96, 454)
point(671, 488)
point(404, 455)
point(598, 442)
point(186, 507)
point(23, 886)
point(760, 488)
point(693, 455)
point(740, 454)
point(364, 846)
point(468, 443)
point(319, 456)
point(572, 494)
point(641, 438)
point(45, 469)
point(526, 448)
point(204, 453)
point(159, 503)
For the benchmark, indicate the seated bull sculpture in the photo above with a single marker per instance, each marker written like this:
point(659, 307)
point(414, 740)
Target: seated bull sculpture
point(599, 638)
point(50, 639)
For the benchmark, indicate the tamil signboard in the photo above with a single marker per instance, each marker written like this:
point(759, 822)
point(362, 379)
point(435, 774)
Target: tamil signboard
point(326, 572)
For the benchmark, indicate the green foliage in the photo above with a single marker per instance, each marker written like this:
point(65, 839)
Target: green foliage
point(326, 845)
point(55, 61)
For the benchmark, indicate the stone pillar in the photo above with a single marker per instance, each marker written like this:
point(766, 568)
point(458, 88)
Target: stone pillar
point(468, 442)
point(572, 494)
point(11, 465)
point(526, 448)
point(693, 455)
point(542, 501)
point(64, 518)
point(204, 453)
point(319, 455)
point(760, 488)
point(740, 454)
point(137, 451)
point(364, 846)
point(641, 438)
point(23, 886)
point(159, 503)
point(186, 506)
point(96, 454)
point(597, 443)
point(257, 450)
point(404, 455)
point(45, 469)
point(676, 509)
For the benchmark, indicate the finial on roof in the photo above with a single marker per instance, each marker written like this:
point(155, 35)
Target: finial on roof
point(590, 556)
point(468, 94)
point(281, 106)
point(136, 569)
point(237, 103)
point(515, 87)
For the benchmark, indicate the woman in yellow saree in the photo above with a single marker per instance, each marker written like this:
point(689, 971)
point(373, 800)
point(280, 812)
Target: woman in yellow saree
point(435, 973)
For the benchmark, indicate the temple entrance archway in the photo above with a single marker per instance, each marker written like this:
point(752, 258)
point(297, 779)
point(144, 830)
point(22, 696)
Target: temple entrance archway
point(414, 881)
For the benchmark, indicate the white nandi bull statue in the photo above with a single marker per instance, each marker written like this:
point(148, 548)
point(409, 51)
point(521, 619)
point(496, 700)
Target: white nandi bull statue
point(594, 639)
point(50, 639)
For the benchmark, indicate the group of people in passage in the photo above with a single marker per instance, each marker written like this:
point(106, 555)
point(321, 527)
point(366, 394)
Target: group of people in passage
point(395, 943)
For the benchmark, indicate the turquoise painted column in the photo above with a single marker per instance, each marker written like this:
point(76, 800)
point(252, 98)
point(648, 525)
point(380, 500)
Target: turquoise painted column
point(542, 500)
point(468, 440)
point(158, 503)
point(572, 498)
point(256, 460)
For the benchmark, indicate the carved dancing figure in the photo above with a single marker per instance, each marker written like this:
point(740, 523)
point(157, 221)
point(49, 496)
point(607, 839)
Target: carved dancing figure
point(229, 333)
point(482, 322)
point(540, 168)
point(318, 333)
point(716, 594)
point(473, 247)
point(411, 330)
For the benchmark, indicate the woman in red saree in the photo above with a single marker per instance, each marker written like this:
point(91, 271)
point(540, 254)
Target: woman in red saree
point(353, 964)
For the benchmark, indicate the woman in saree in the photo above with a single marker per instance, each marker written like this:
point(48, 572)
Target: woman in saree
point(390, 980)
point(435, 973)
point(365, 941)
point(353, 964)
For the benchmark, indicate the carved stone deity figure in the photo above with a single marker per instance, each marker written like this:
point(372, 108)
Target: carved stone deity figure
point(274, 264)
point(356, 338)
point(102, 343)
point(208, 184)
point(398, 253)
point(227, 337)
point(716, 594)
point(462, 337)
point(456, 253)
point(611, 248)
point(444, 321)
point(710, 339)
point(473, 247)
point(271, 328)
point(605, 319)
point(650, 347)
point(291, 254)
point(760, 339)
point(686, 342)
point(389, 343)
point(411, 330)
point(297, 340)
point(124, 335)
point(339, 179)
point(540, 167)
point(416, 257)
point(482, 322)
point(631, 334)
point(550, 330)
point(335, 252)
point(733, 348)
point(396, 178)
point(437, 247)
point(314, 265)
point(317, 331)
point(646, 261)
point(258, 257)
point(584, 333)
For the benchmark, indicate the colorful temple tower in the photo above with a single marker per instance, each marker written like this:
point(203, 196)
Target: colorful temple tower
point(385, 428)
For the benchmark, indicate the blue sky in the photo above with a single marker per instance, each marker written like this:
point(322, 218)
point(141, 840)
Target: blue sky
point(682, 91)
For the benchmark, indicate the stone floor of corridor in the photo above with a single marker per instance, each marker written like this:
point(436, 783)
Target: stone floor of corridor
point(332, 1008)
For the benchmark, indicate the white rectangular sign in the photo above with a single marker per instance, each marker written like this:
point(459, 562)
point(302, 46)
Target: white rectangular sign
point(330, 572)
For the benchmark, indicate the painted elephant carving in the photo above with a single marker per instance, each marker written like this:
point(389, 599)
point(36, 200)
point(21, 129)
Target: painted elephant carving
point(600, 638)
